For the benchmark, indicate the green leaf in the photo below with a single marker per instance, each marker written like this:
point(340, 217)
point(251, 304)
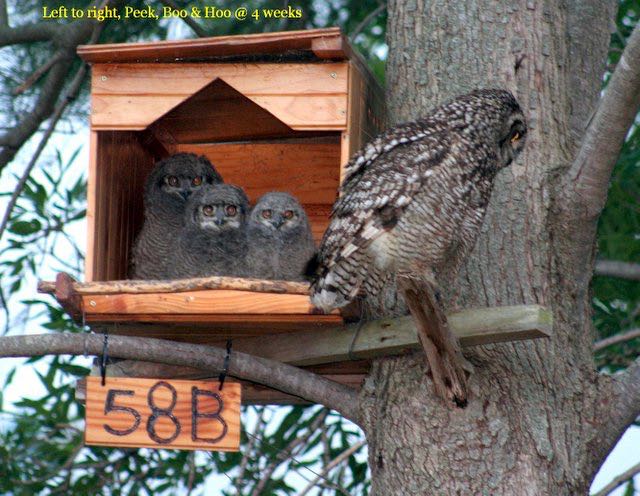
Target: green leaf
point(25, 227)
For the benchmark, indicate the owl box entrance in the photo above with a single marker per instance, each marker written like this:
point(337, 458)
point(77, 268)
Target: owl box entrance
point(248, 144)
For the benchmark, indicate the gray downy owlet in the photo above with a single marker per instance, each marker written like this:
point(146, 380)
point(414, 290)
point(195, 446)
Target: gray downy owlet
point(212, 241)
point(413, 200)
point(279, 238)
point(166, 192)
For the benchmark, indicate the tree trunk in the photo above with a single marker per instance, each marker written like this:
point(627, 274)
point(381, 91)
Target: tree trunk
point(535, 407)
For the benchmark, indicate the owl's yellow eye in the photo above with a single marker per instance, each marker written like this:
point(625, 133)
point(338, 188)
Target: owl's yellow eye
point(172, 181)
point(207, 210)
point(516, 136)
point(266, 214)
point(231, 210)
point(288, 214)
point(197, 181)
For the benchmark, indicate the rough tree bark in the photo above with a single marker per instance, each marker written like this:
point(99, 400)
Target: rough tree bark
point(538, 420)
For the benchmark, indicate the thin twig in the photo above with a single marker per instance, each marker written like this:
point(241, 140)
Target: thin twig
point(365, 22)
point(248, 451)
point(336, 461)
point(65, 466)
point(188, 20)
point(192, 473)
point(38, 73)
point(72, 93)
point(618, 480)
point(618, 338)
point(621, 270)
point(288, 452)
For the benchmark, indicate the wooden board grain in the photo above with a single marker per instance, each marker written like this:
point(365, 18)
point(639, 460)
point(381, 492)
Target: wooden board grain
point(306, 169)
point(300, 96)
point(249, 79)
point(162, 413)
point(283, 43)
point(208, 302)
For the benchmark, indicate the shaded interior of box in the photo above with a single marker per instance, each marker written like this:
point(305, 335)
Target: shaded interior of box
point(249, 146)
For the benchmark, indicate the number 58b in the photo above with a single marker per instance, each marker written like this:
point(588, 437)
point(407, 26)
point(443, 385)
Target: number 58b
point(161, 409)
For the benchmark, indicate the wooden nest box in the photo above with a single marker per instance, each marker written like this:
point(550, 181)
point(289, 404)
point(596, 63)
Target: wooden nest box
point(273, 112)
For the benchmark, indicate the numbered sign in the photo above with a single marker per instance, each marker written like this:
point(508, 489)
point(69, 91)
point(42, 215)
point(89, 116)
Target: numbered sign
point(163, 413)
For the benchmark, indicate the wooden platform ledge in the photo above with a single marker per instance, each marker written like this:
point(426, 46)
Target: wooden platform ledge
point(173, 286)
point(377, 338)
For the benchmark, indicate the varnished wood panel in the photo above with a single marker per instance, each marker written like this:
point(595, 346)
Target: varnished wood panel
point(302, 96)
point(247, 78)
point(199, 302)
point(160, 413)
point(299, 112)
point(307, 170)
point(115, 202)
point(283, 43)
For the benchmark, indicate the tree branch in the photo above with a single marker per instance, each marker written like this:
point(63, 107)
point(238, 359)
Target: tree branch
point(619, 406)
point(30, 33)
point(621, 270)
point(189, 21)
point(288, 452)
point(617, 481)
point(589, 174)
point(270, 373)
point(4, 17)
point(367, 20)
point(336, 461)
point(74, 88)
point(618, 338)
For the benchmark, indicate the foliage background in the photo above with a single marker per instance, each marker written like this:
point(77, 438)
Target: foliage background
point(41, 449)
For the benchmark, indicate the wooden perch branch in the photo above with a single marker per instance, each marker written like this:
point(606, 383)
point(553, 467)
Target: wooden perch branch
point(588, 177)
point(374, 339)
point(270, 373)
point(180, 286)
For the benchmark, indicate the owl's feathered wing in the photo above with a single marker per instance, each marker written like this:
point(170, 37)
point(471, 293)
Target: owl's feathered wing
point(380, 182)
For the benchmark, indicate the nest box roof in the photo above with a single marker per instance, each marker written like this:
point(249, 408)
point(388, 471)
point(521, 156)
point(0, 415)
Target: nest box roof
point(309, 44)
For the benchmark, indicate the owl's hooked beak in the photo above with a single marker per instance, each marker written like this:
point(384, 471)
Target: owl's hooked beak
point(277, 222)
point(185, 194)
point(219, 221)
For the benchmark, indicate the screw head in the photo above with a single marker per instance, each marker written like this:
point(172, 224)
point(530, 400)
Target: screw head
point(333, 75)
point(103, 78)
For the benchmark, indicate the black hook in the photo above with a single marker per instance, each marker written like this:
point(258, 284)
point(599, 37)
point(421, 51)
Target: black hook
point(105, 356)
point(225, 366)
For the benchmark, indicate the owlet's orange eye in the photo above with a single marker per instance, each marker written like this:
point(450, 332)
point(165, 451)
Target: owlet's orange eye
point(207, 210)
point(266, 214)
point(172, 181)
point(288, 214)
point(197, 181)
point(231, 210)
point(515, 137)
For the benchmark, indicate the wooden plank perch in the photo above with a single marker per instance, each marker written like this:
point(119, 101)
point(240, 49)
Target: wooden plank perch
point(374, 339)
point(173, 286)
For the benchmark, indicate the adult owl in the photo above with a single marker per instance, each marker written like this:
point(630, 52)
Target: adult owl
point(166, 191)
point(279, 238)
point(212, 241)
point(413, 200)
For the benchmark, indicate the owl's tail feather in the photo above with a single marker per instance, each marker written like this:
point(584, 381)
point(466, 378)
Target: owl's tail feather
point(338, 285)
